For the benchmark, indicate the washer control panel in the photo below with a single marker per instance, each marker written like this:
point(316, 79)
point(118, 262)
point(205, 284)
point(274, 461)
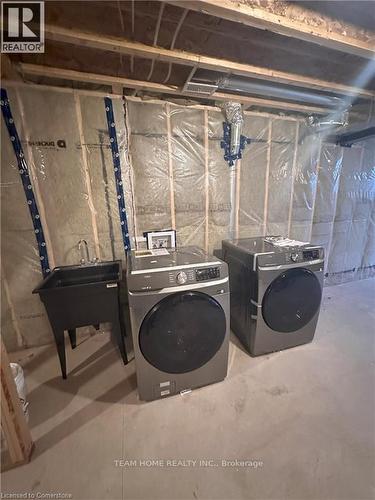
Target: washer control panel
point(190, 276)
point(177, 278)
point(207, 273)
point(181, 278)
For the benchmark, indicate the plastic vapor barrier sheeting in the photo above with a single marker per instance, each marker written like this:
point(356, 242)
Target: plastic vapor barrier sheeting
point(289, 182)
point(66, 145)
point(344, 215)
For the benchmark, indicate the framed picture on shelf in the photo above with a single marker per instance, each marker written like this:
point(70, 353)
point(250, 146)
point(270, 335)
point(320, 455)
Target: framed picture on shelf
point(161, 239)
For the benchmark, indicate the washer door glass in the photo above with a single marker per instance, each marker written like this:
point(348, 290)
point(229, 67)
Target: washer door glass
point(182, 332)
point(291, 300)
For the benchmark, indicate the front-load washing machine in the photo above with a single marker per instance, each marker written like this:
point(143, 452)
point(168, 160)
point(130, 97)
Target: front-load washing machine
point(275, 292)
point(179, 313)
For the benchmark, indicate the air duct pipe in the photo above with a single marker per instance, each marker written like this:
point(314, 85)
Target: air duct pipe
point(242, 85)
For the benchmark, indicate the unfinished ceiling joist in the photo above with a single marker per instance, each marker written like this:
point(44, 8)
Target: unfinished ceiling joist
point(79, 76)
point(8, 71)
point(264, 19)
point(123, 46)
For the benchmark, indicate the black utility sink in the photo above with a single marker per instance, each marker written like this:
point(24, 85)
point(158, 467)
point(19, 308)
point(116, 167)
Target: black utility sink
point(76, 296)
point(81, 275)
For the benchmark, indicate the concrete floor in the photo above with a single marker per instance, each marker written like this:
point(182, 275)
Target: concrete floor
point(307, 414)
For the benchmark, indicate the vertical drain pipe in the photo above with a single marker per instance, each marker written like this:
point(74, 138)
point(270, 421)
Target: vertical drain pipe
point(233, 201)
point(206, 182)
point(234, 116)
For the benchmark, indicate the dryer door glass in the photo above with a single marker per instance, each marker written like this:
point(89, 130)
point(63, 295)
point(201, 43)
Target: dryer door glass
point(291, 300)
point(182, 332)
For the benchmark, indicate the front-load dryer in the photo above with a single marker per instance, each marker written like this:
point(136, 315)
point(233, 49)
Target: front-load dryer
point(179, 313)
point(275, 292)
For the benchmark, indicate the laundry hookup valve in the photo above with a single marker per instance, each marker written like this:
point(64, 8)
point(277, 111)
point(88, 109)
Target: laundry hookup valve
point(233, 142)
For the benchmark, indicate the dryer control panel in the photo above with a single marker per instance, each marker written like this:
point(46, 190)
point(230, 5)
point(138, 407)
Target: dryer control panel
point(303, 255)
point(311, 254)
point(290, 256)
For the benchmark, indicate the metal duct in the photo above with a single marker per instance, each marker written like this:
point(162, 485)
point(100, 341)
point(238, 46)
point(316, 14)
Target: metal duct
point(242, 85)
point(200, 89)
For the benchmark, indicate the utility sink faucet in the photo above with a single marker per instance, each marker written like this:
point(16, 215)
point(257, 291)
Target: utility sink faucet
point(85, 256)
point(84, 249)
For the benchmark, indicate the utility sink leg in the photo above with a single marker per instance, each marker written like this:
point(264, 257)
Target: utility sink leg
point(118, 333)
point(73, 338)
point(60, 345)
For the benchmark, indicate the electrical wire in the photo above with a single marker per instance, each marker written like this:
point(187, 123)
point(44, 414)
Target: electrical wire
point(161, 10)
point(122, 28)
point(182, 19)
point(123, 31)
point(133, 28)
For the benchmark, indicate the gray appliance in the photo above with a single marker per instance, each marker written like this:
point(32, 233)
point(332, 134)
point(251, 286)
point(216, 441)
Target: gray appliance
point(179, 312)
point(275, 293)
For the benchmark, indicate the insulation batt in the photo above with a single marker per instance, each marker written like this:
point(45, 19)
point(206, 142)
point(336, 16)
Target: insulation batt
point(173, 173)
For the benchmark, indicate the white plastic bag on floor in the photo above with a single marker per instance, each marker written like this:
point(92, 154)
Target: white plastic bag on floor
point(19, 379)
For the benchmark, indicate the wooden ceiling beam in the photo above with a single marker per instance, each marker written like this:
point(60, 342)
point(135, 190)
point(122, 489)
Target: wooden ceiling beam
point(8, 71)
point(160, 88)
point(123, 46)
point(256, 17)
